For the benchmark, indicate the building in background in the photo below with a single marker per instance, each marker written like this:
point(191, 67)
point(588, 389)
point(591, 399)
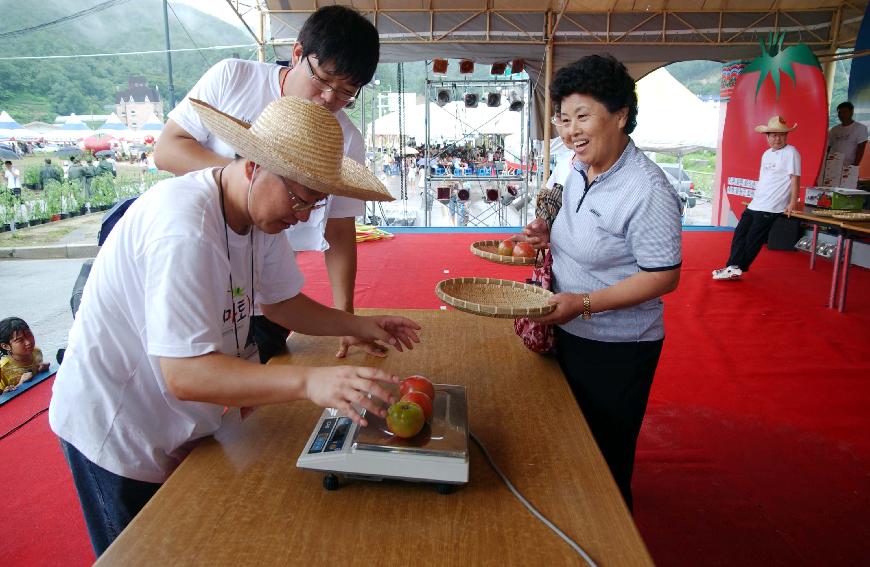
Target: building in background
point(134, 105)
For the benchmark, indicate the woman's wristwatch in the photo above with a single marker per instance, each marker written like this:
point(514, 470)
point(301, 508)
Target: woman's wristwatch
point(587, 307)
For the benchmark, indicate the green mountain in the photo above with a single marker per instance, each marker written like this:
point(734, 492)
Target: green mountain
point(40, 89)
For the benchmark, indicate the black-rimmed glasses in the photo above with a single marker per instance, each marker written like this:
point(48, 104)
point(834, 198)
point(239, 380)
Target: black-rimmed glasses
point(324, 86)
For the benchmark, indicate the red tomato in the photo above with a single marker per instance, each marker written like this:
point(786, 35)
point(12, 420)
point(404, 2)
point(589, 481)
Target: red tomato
point(803, 101)
point(506, 248)
point(421, 400)
point(524, 250)
point(405, 419)
point(417, 383)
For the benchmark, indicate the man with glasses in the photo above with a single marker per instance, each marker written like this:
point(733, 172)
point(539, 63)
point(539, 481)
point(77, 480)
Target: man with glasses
point(336, 53)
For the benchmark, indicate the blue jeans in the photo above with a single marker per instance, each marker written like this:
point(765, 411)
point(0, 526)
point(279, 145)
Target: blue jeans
point(108, 501)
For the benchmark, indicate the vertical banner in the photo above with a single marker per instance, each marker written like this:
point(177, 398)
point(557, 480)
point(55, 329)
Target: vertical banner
point(859, 86)
point(785, 81)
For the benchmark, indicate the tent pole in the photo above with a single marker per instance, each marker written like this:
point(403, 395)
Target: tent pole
point(548, 77)
point(261, 41)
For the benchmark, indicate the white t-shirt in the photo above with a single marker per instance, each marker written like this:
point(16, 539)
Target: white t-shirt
point(845, 140)
point(13, 178)
point(773, 191)
point(160, 287)
point(562, 170)
point(243, 89)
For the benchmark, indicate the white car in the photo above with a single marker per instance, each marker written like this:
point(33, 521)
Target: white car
point(46, 149)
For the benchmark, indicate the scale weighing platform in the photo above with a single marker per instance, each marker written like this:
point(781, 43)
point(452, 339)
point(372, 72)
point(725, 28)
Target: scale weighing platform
point(438, 454)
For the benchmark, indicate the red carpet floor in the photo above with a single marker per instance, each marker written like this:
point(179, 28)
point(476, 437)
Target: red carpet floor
point(754, 450)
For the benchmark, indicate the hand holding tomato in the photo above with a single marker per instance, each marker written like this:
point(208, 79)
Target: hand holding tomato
point(342, 386)
point(537, 234)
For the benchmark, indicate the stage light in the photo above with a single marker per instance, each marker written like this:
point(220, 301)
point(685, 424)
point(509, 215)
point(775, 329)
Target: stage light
point(493, 99)
point(516, 103)
point(471, 100)
point(443, 97)
point(439, 66)
point(517, 66)
point(466, 67)
point(497, 68)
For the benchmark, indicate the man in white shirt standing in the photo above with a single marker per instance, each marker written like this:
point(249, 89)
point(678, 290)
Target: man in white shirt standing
point(775, 193)
point(13, 178)
point(848, 137)
point(336, 53)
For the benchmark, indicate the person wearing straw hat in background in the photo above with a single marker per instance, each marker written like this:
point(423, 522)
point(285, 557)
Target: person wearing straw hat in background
point(336, 53)
point(160, 353)
point(775, 193)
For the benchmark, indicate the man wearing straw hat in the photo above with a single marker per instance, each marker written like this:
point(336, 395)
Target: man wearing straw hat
point(336, 53)
point(775, 193)
point(160, 353)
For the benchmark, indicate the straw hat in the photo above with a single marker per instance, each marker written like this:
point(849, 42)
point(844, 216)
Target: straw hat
point(775, 124)
point(300, 140)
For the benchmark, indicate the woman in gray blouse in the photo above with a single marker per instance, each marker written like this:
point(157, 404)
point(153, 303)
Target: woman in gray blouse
point(616, 247)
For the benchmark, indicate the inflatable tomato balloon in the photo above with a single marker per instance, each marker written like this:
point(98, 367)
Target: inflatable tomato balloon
point(783, 81)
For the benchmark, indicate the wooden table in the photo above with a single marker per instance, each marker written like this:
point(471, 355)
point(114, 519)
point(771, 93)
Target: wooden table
point(241, 500)
point(846, 232)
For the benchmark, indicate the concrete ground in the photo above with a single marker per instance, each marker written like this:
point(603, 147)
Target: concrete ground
point(39, 291)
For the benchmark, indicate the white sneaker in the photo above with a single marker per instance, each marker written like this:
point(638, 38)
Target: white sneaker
point(729, 273)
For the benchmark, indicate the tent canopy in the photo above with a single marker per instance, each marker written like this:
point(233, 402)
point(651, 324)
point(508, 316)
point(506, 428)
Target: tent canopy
point(12, 130)
point(645, 35)
point(671, 119)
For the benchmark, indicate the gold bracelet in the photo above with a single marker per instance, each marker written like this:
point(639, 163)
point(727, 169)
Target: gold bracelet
point(587, 307)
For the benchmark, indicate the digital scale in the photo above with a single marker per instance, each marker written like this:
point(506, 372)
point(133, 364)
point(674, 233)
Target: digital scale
point(438, 454)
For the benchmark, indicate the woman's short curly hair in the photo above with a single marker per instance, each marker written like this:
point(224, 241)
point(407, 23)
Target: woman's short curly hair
point(603, 78)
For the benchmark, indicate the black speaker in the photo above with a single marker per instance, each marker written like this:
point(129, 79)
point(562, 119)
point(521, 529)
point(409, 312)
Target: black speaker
point(493, 99)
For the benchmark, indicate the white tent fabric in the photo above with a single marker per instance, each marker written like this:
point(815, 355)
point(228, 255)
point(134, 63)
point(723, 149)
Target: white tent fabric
point(671, 119)
point(115, 128)
point(151, 127)
point(12, 130)
point(73, 130)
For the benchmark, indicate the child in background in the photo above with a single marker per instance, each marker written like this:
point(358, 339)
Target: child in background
point(20, 359)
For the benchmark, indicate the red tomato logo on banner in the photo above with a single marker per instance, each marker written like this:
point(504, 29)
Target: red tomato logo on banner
point(782, 81)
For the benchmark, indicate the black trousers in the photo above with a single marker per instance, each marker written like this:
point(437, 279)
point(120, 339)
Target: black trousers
point(271, 338)
point(611, 383)
point(749, 236)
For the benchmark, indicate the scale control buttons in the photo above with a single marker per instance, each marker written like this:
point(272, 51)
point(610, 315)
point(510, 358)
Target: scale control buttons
point(319, 443)
point(327, 425)
point(322, 435)
point(338, 438)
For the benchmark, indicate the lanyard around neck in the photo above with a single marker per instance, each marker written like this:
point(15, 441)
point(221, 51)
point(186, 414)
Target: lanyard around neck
point(227, 240)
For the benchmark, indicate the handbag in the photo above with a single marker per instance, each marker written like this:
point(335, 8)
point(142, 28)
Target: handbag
point(538, 337)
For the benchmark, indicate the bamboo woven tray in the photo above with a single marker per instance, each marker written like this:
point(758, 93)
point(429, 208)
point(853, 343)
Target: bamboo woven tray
point(491, 297)
point(488, 249)
point(823, 212)
point(853, 216)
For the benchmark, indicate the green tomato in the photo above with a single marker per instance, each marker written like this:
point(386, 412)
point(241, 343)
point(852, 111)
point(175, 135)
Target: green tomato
point(405, 419)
